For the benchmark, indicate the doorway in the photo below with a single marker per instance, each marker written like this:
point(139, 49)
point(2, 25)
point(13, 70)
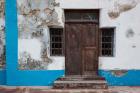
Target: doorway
point(81, 42)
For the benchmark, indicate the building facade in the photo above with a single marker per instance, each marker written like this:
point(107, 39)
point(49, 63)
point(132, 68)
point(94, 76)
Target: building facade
point(47, 39)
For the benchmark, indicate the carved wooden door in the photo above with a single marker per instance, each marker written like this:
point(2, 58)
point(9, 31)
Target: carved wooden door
point(81, 48)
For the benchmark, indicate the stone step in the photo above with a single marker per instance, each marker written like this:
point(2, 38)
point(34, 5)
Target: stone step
point(80, 84)
point(75, 78)
point(73, 91)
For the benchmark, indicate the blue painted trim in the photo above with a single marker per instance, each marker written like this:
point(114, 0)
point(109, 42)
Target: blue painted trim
point(34, 78)
point(46, 78)
point(131, 78)
point(2, 77)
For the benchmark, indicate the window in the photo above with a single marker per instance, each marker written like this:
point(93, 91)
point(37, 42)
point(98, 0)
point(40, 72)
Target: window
point(82, 15)
point(107, 42)
point(56, 42)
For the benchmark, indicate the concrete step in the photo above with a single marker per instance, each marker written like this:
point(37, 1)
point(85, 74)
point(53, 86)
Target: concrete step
point(73, 91)
point(80, 84)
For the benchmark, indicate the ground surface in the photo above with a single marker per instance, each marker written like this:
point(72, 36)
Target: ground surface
point(45, 90)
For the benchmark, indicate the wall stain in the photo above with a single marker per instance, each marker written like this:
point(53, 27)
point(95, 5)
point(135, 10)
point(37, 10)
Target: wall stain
point(134, 46)
point(130, 33)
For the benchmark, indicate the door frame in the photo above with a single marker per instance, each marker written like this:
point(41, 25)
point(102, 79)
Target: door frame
point(73, 21)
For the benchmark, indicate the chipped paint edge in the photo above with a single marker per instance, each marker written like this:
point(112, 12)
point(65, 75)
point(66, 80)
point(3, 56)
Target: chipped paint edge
point(130, 78)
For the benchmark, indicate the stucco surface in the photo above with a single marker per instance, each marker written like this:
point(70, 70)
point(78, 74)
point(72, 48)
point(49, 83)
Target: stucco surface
point(2, 35)
point(34, 19)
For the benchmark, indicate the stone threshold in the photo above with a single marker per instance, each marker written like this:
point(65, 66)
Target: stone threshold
point(89, 81)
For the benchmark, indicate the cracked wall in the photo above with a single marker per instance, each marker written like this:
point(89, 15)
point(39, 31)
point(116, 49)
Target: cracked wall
point(2, 35)
point(34, 19)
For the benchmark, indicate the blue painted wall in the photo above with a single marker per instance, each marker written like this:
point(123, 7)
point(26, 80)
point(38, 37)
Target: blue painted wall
point(131, 78)
point(14, 77)
point(2, 77)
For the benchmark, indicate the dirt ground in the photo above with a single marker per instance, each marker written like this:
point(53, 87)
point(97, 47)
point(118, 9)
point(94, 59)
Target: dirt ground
point(115, 89)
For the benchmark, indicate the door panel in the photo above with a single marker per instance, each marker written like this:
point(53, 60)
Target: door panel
point(90, 48)
point(73, 49)
point(88, 34)
point(90, 65)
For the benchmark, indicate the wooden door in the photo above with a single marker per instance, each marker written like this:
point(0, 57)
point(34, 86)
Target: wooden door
point(81, 46)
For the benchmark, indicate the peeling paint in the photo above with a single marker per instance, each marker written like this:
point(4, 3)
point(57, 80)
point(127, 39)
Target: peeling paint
point(121, 60)
point(2, 35)
point(121, 6)
point(119, 73)
point(114, 14)
point(34, 19)
point(37, 14)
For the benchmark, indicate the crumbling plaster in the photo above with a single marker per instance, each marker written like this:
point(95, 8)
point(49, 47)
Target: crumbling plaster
point(120, 6)
point(2, 35)
point(34, 19)
point(124, 19)
point(119, 73)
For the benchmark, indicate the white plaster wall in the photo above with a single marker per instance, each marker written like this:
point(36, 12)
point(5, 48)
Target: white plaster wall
point(33, 47)
point(2, 35)
point(79, 4)
point(127, 50)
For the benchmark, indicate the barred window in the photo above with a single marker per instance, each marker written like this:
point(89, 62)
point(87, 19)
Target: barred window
point(107, 42)
point(56, 42)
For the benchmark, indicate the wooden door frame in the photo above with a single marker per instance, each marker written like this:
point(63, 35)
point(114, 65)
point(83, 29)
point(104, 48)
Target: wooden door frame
point(98, 33)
